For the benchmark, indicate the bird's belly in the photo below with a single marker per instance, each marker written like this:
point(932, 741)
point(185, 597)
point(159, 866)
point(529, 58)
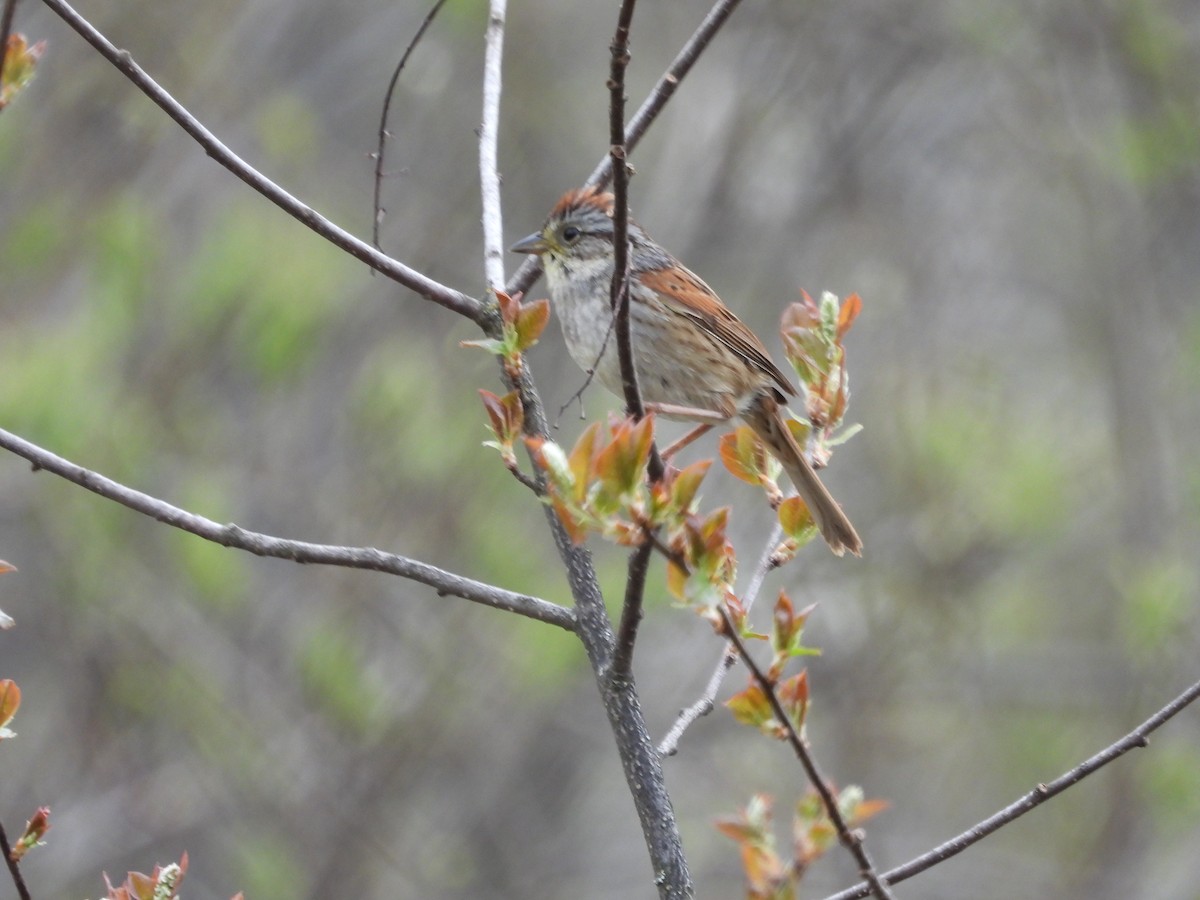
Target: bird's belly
point(663, 378)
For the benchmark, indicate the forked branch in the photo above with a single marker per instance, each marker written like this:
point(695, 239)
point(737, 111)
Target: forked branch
point(301, 212)
point(663, 90)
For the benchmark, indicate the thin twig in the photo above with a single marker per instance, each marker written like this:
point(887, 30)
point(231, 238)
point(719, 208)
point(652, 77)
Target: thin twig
point(1039, 795)
point(639, 560)
point(851, 840)
point(489, 173)
point(619, 289)
point(665, 87)
point(297, 551)
point(531, 269)
point(705, 704)
point(383, 117)
point(529, 481)
point(13, 868)
point(412, 279)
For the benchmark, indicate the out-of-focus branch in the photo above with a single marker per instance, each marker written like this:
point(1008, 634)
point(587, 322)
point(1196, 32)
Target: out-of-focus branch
point(383, 117)
point(669, 745)
point(394, 269)
point(850, 839)
point(1139, 737)
point(531, 269)
point(489, 174)
point(665, 87)
point(297, 551)
point(14, 869)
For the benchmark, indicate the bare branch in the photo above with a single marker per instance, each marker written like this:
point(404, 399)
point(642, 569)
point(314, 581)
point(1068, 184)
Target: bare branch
point(851, 840)
point(377, 219)
point(1139, 737)
point(619, 290)
point(531, 269)
point(296, 551)
point(631, 611)
point(639, 561)
point(14, 868)
point(669, 745)
point(412, 279)
point(489, 173)
point(667, 84)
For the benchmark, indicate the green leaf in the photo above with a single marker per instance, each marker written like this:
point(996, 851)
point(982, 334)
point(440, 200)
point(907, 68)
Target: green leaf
point(531, 321)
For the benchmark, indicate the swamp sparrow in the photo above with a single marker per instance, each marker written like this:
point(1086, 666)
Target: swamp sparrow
point(695, 359)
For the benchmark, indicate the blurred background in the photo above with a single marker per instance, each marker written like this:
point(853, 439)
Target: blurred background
point(1014, 190)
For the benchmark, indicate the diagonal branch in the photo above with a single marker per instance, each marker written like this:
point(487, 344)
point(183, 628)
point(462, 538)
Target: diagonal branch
point(489, 174)
point(665, 87)
point(669, 745)
point(1139, 737)
point(663, 90)
point(297, 551)
point(14, 868)
point(412, 279)
point(851, 840)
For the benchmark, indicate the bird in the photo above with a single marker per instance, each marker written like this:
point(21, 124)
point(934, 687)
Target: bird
point(695, 360)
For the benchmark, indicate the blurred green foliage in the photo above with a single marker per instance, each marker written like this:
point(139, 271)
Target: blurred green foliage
point(1014, 186)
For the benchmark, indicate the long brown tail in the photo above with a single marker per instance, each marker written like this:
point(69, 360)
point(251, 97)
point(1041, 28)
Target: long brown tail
point(764, 417)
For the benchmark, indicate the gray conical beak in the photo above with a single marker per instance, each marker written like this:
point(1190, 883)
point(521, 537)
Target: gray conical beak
point(533, 243)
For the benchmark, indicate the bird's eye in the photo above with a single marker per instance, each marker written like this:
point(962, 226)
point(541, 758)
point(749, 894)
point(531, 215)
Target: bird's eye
point(571, 234)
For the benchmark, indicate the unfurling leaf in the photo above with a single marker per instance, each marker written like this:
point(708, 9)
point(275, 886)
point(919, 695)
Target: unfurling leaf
point(685, 483)
point(20, 62)
point(851, 307)
point(35, 830)
point(161, 884)
point(10, 702)
point(787, 630)
point(621, 464)
point(744, 455)
point(520, 327)
point(531, 321)
point(703, 546)
point(751, 707)
point(510, 306)
point(796, 519)
point(812, 829)
point(793, 696)
point(812, 335)
point(507, 418)
point(767, 876)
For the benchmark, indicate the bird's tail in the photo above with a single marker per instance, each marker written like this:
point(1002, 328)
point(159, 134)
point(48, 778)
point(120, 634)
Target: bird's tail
point(765, 418)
